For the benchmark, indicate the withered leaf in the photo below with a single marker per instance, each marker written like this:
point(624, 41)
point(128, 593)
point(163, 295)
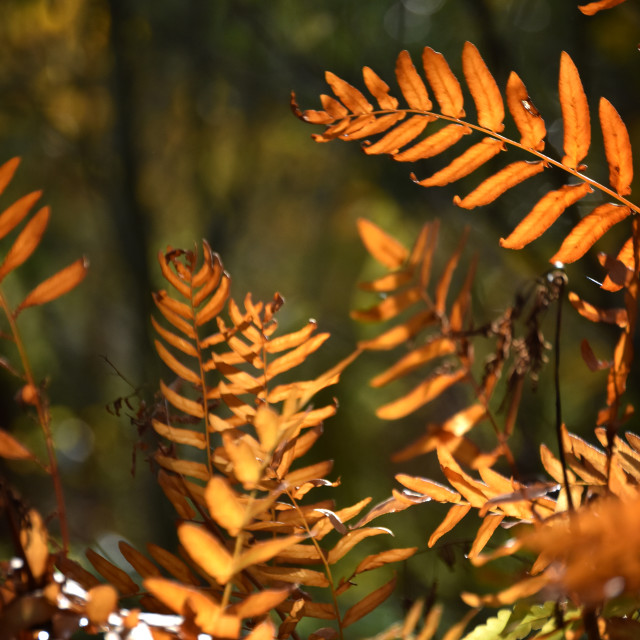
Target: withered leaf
point(454, 515)
point(588, 311)
point(494, 186)
point(140, 563)
point(385, 249)
point(347, 94)
point(617, 147)
point(466, 163)
point(377, 560)
point(575, 113)
point(589, 230)
point(445, 85)
point(351, 539)
point(530, 124)
point(399, 136)
point(224, 505)
point(411, 84)
point(11, 449)
point(26, 242)
point(544, 214)
point(116, 576)
point(434, 144)
point(424, 393)
point(369, 603)
point(379, 89)
point(593, 7)
point(484, 90)
point(207, 551)
point(57, 285)
point(102, 601)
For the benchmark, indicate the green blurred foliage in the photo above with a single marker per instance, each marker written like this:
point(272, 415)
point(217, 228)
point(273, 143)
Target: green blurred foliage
point(154, 123)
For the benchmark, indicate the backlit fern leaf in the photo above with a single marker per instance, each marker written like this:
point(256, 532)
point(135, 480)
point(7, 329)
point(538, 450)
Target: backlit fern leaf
point(350, 116)
point(248, 527)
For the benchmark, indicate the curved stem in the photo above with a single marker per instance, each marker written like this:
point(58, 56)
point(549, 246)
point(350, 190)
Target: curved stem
point(44, 418)
point(545, 158)
point(327, 568)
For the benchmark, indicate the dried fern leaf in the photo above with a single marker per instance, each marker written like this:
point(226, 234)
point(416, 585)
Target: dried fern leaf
point(466, 163)
point(484, 90)
point(180, 435)
point(621, 269)
point(385, 249)
point(424, 393)
point(7, 171)
point(588, 311)
point(55, 286)
point(445, 85)
point(190, 407)
point(188, 468)
point(383, 558)
point(116, 576)
point(453, 517)
point(207, 552)
point(434, 144)
point(369, 603)
point(427, 487)
point(13, 215)
point(260, 603)
point(442, 288)
point(207, 614)
point(172, 564)
point(216, 303)
point(593, 7)
point(411, 84)
point(379, 89)
point(139, 562)
point(589, 230)
point(494, 186)
point(351, 539)
point(401, 333)
point(350, 97)
point(11, 449)
point(575, 113)
point(548, 209)
point(529, 122)
point(388, 308)
point(617, 147)
point(375, 125)
point(26, 242)
point(291, 575)
point(489, 524)
point(399, 136)
point(435, 348)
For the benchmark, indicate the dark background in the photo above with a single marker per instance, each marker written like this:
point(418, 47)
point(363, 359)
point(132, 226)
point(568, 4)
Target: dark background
point(155, 123)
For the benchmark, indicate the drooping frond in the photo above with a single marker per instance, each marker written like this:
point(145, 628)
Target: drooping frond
point(404, 132)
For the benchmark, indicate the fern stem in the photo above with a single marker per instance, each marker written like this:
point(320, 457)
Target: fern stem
point(545, 158)
point(44, 418)
point(327, 568)
point(561, 280)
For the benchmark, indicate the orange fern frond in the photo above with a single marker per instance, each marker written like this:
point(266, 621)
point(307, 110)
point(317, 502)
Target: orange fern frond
point(401, 129)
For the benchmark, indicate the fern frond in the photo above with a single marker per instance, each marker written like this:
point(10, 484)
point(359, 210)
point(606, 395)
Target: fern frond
point(352, 117)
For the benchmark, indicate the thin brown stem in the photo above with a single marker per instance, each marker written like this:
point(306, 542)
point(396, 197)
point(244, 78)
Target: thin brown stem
point(44, 418)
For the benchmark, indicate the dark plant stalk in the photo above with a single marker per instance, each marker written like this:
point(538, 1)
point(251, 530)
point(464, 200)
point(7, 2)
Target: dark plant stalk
point(560, 280)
